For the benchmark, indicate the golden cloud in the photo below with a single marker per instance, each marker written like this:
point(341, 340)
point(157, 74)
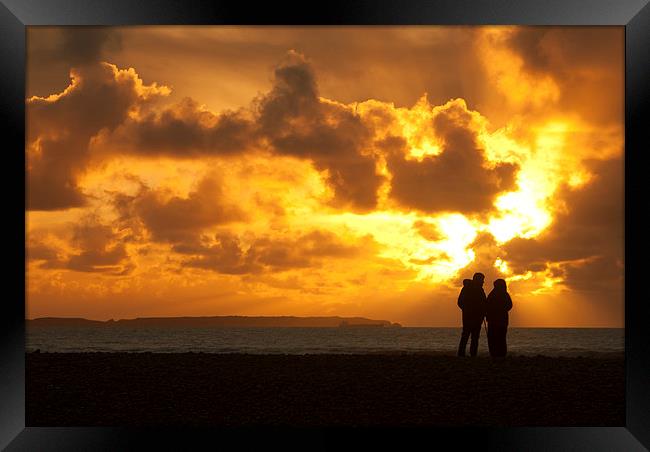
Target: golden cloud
point(296, 188)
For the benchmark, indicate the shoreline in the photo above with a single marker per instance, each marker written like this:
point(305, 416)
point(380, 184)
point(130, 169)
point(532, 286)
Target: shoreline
point(381, 389)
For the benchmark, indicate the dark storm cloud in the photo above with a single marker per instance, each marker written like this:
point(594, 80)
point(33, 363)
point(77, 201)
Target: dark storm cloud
point(99, 249)
point(294, 95)
point(229, 256)
point(295, 121)
point(581, 61)
point(527, 42)
point(459, 179)
point(84, 45)
point(301, 251)
point(587, 241)
point(59, 130)
point(52, 176)
point(99, 96)
point(181, 222)
point(226, 256)
point(174, 219)
point(184, 130)
point(393, 64)
point(548, 49)
point(49, 256)
point(39, 251)
point(52, 51)
point(289, 120)
point(103, 260)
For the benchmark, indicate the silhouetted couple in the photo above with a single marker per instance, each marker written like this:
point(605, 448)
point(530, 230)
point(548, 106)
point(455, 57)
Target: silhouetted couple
point(476, 307)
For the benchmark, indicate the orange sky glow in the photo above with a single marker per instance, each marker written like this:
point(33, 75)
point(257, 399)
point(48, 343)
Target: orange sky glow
point(309, 171)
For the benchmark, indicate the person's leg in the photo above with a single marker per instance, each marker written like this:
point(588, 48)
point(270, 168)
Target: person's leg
point(500, 339)
point(490, 339)
point(463, 341)
point(473, 346)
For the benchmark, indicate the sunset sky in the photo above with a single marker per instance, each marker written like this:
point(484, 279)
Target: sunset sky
point(310, 171)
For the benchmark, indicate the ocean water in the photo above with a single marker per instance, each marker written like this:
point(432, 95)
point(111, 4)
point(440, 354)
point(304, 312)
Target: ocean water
point(521, 341)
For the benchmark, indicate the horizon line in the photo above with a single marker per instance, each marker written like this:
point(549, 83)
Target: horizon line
point(307, 317)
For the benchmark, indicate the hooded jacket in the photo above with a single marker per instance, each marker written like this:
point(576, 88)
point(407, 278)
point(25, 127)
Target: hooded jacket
point(497, 307)
point(472, 301)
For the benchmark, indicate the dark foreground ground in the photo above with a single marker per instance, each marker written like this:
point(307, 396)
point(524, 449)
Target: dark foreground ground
point(145, 389)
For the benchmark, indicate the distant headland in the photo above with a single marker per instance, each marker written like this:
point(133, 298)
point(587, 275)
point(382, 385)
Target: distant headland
point(217, 321)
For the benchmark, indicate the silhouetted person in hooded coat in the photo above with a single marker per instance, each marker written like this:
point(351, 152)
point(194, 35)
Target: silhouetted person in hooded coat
point(472, 301)
point(498, 305)
point(463, 292)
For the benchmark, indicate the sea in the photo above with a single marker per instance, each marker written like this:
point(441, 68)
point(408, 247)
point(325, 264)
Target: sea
point(278, 340)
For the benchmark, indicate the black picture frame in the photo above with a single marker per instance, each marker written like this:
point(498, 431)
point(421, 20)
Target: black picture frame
point(15, 15)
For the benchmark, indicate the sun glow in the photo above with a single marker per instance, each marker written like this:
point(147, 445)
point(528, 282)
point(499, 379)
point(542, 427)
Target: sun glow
point(342, 180)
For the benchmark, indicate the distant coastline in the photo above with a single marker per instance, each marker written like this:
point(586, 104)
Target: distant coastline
point(215, 321)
